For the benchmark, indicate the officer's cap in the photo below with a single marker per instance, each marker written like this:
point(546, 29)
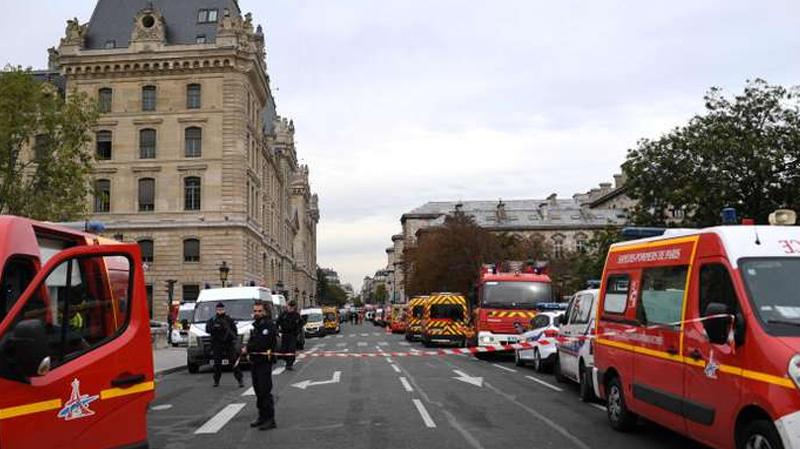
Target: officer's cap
point(220, 305)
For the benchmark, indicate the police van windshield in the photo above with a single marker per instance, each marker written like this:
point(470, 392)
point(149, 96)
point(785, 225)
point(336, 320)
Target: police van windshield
point(773, 289)
point(516, 295)
point(238, 309)
point(313, 317)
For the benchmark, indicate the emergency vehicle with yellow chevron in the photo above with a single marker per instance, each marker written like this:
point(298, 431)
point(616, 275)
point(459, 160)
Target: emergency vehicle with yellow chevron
point(74, 337)
point(505, 302)
point(445, 319)
point(416, 309)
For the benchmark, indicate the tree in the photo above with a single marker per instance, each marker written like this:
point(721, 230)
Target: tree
point(45, 159)
point(381, 295)
point(449, 258)
point(357, 302)
point(742, 153)
point(322, 286)
point(589, 265)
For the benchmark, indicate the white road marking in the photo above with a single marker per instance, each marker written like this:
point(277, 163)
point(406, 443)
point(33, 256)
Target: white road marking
point(548, 385)
point(341, 345)
point(337, 376)
point(598, 406)
point(161, 407)
point(406, 384)
point(504, 368)
point(249, 392)
point(362, 343)
point(395, 368)
point(340, 336)
point(466, 378)
point(219, 420)
point(365, 335)
point(278, 370)
point(383, 343)
point(424, 413)
point(405, 343)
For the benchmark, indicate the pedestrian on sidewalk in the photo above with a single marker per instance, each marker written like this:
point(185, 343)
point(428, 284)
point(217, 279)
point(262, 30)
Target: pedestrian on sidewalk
point(290, 324)
point(223, 333)
point(263, 338)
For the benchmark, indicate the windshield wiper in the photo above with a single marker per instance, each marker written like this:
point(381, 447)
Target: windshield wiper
point(788, 323)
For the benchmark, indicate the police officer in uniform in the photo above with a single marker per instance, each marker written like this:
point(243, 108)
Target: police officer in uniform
point(290, 324)
point(223, 333)
point(263, 338)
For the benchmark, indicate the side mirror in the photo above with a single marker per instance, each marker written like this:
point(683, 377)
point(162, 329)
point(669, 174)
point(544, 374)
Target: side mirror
point(29, 346)
point(717, 328)
point(739, 329)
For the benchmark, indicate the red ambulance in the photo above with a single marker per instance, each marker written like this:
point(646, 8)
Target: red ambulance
point(76, 364)
point(699, 331)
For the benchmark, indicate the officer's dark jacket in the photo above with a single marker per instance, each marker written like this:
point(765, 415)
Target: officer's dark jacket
point(222, 329)
point(263, 338)
point(290, 323)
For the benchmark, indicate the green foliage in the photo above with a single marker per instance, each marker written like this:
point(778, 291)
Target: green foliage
point(322, 286)
point(743, 152)
point(381, 295)
point(358, 302)
point(45, 162)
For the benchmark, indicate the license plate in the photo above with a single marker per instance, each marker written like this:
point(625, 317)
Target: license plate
point(225, 361)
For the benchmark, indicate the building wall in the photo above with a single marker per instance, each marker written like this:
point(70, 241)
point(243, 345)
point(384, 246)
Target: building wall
point(247, 166)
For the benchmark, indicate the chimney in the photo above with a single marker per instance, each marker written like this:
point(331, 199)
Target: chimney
point(501, 211)
point(553, 199)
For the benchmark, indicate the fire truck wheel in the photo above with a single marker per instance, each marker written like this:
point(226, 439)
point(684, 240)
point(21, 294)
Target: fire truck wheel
point(619, 416)
point(759, 434)
point(193, 368)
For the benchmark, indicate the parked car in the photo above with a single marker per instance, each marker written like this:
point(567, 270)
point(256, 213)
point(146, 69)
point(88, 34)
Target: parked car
point(542, 333)
point(575, 348)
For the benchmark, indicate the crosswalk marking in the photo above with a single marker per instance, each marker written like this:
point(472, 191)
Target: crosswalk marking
point(365, 335)
point(219, 420)
point(362, 343)
point(340, 336)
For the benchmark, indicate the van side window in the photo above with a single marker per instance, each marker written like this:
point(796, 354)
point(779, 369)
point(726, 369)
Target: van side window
point(716, 286)
point(83, 303)
point(616, 299)
point(17, 274)
point(663, 292)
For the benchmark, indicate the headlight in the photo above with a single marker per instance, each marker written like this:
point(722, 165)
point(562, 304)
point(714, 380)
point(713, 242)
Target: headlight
point(192, 339)
point(794, 370)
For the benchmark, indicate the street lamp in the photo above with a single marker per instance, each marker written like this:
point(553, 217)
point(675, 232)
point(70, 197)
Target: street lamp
point(296, 294)
point(223, 273)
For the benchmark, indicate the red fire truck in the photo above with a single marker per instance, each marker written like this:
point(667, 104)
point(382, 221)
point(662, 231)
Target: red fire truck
point(505, 301)
point(76, 364)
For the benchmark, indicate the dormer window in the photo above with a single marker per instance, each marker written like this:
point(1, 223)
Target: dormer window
point(207, 16)
point(111, 44)
point(201, 39)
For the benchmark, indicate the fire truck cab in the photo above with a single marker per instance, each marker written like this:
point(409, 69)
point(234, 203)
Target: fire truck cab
point(699, 331)
point(504, 302)
point(76, 363)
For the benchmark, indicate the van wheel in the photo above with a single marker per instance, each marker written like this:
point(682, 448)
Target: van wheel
point(538, 364)
point(193, 368)
point(619, 416)
point(759, 434)
point(557, 371)
point(586, 387)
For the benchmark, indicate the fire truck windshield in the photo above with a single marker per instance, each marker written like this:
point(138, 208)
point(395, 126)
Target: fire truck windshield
point(515, 295)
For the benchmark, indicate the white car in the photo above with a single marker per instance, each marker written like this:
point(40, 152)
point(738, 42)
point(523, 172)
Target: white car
point(544, 329)
point(575, 360)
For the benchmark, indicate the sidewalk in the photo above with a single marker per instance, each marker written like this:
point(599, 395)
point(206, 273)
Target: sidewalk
point(169, 360)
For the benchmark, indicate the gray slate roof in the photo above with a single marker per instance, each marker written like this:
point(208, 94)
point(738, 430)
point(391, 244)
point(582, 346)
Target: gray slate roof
point(524, 214)
point(113, 20)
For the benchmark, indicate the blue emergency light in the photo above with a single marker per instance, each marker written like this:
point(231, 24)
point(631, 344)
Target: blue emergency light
point(551, 306)
point(642, 233)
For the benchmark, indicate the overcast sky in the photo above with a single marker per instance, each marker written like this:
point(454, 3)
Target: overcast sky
point(400, 102)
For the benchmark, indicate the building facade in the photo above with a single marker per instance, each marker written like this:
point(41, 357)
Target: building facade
point(193, 161)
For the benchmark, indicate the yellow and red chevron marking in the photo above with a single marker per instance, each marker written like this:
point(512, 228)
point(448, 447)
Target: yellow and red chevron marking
point(510, 314)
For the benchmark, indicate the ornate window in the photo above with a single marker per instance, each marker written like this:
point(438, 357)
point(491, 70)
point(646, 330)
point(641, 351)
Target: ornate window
point(149, 98)
point(194, 141)
point(193, 93)
point(102, 196)
point(147, 144)
point(191, 250)
point(146, 247)
point(103, 139)
point(207, 16)
point(191, 193)
point(105, 96)
point(147, 195)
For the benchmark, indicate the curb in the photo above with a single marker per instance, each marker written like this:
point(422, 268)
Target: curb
point(172, 370)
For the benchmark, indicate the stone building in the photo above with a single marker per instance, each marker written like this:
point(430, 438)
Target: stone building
point(566, 225)
point(193, 161)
